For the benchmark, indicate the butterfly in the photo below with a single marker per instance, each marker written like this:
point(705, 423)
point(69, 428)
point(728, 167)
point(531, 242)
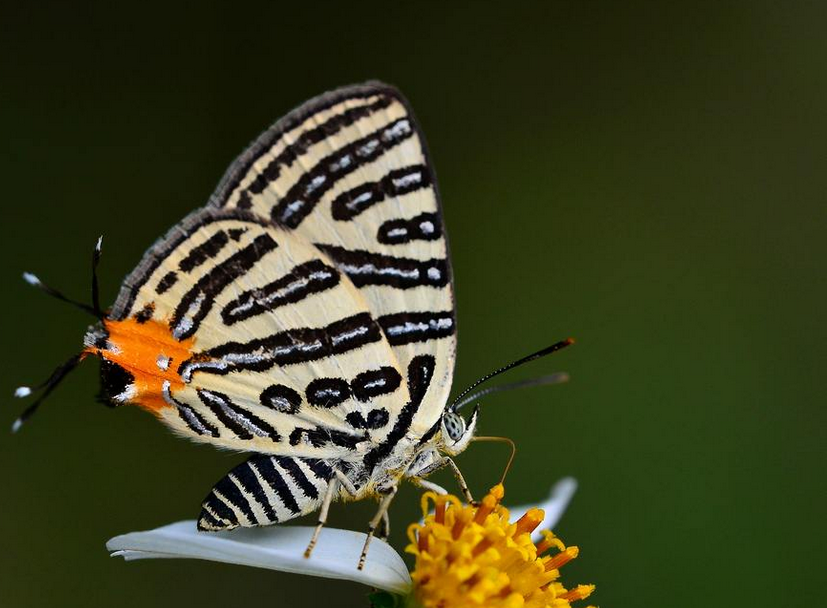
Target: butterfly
point(305, 315)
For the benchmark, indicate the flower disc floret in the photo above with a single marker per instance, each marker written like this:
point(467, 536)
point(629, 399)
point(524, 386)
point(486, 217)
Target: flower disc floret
point(469, 556)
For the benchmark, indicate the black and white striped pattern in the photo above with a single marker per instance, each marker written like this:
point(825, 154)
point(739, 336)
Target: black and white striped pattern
point(302, 281)
point(351, 203)
point(290, 347)
point(241, 422)
point(314, 295)
point(265, 490)
point(199, 299)
point(372, 177)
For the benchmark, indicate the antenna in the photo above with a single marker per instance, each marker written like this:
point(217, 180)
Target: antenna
point(47, 387)
point(540, 353)
point(557, 378)
point(94, 309)
point(61, 371)
point(96, 258)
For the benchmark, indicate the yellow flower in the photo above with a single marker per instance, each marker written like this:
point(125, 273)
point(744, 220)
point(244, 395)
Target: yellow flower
point(472, 556)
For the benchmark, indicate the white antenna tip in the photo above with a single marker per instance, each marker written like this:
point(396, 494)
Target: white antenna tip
point(22, 391)
point(16, 426)
point(99, 244)
point(31, 279)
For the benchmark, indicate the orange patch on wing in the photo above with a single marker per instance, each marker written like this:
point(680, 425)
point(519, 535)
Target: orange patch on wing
point(138, 347)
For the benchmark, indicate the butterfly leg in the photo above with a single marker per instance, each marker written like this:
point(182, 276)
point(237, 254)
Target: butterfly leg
point(346, 483)
point(380, 513)
point(340, 479)
point(386, 526)
point(460, 480)
point(332, 487)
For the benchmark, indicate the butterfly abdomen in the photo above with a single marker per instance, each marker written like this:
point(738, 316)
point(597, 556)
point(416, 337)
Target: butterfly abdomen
point(265, 490)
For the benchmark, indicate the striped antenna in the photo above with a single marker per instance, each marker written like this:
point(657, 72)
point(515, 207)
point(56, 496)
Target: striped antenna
point(540, 353)
point(556, 378)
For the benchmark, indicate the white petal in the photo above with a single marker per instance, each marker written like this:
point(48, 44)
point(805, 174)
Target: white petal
point(277, 548)
point(554, 506)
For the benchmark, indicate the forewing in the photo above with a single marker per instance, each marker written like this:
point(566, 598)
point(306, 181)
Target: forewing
point(283, 353)
point(349, 172)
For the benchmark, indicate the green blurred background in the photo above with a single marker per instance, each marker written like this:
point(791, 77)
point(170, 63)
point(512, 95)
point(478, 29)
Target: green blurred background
point(650, 180)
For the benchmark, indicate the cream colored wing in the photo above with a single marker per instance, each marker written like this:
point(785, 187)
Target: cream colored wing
point(349, 172)
point(263, 344)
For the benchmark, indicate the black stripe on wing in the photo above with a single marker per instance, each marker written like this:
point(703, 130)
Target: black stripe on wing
point(204, 252)
point(198, 301)
point(420, 375)
point(423, 227)
point(236, 499)
point(327, 392)
point(285, 348)
point(166, 282)
point(352, 202)
point(302, 281)
point(407, 327)
point(195, 421)
point(244, 424)
point(376, 419)
point(214, 509)
point(208, 521)
point(176, 237)
point(367, 268)
point(291, 152)
point(373, 383)
point(319, 437)
point(319, 467)
point(281, 398)
point(305, 194)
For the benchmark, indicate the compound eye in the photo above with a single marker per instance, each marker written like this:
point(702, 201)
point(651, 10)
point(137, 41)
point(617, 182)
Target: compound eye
point(454, 426)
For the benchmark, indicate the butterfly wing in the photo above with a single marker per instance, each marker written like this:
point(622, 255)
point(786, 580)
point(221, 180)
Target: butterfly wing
point(256, 340)
point(350, 173)
point(310, 303)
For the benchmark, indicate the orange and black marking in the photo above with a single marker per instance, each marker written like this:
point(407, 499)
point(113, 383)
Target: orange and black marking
point(138, 361)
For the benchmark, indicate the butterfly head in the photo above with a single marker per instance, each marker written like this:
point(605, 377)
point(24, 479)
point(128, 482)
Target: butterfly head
point(456, 432)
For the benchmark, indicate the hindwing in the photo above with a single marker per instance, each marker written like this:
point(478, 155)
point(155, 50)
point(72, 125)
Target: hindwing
point(271, 348)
